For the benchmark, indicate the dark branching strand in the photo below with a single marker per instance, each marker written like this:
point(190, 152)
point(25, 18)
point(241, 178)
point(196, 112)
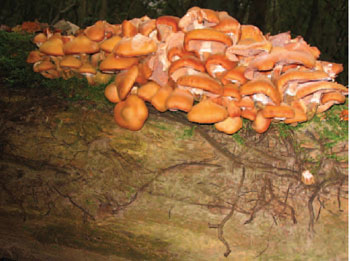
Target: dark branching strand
point(220, 226)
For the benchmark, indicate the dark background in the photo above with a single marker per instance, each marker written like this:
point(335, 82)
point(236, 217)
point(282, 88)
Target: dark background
point(322, 23)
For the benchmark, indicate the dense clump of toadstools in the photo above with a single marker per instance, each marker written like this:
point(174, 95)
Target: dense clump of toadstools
point(206, 64)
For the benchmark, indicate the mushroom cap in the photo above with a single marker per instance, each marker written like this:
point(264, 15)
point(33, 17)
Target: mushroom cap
point(300, 77)
point(206, 111)
point(70, 61)
point(135, 46)
point(129, 28)
point(43, 66)
point(309, 88)
point(35, 56)
point(180, 99)
point(299, 113)
point(109, 44)
point(329, 99)
point(235, 75)
point(261, 124)
point(230, 125)
point(251, 32)
point(266, 61)
point(87, 69)
point(148, 26)
point(187, 61)
point(81, 44)
point(228, 25)
point(176, 53)
point(200, 81)
point(111, 93)
point(159, 100)
point(206, 34)
point(332, 69)
point(218, 64)
point(232, 90)
point(278, 111)
point(113, 63)
point(131, 113)
point(96, 32)
point(148, 90)
point(145, 73)
point(39, 39)
point(263, 86)
point(125, 81)
point(53, 46)
point(171, 21)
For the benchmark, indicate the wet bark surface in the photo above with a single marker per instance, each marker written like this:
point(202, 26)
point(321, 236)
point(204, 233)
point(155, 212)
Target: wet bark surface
point(75, 186)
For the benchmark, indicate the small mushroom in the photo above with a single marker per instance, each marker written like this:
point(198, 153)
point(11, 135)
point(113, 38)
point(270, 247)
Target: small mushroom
point(307, 178)
point(148, 90)
point(135, 46)
point(159, 100)
point(111, 93)
point(112, 63)
point(261, 124)
point(131, 113)
point(230, 125)
point(125, 81)
point(180, 99)
point(200, 83)
point(206, 111)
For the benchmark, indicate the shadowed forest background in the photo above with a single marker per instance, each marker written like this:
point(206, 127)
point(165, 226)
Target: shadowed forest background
point(322, 23)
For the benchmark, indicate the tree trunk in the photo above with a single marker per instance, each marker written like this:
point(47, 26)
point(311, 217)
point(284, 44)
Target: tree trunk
point(75, 186)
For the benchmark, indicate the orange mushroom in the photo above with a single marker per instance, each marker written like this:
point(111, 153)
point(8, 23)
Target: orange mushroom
point(180, 99)
point(148, 90)
point(125, 81)
point(230, 125)
point(206, 111)
point(260, 123)
point(135, 46)
point(131, 113)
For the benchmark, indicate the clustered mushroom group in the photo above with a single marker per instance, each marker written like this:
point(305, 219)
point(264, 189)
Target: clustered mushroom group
point(205, 64)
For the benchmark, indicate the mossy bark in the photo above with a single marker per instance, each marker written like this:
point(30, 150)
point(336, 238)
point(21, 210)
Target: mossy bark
point(75, 186)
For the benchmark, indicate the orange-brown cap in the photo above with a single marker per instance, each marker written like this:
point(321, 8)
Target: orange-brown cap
point(206, 34)
point(39, 39)
point(129, 28)
point(263, 86)
point(180, 99)
point(160, 98)
point(206, 111)
point(111, 93)
point(278, 111)
point(70, 61)
point(35, 56)
point(131, 114)
point(96, 32)
point(147, 27)
point(261, 124)
point(53, 46)
point(187, 61)
point(109, 44)
point(81, 44)
point(148, 90)
point(235, 75)
point(299, 113)
point(299, 76)
point(218, 64)
point(135, 46)
point(329, 99)
point(113, 63)
point(230, 125)
point(309, 88)
point(201, 81)
point(125, 81)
